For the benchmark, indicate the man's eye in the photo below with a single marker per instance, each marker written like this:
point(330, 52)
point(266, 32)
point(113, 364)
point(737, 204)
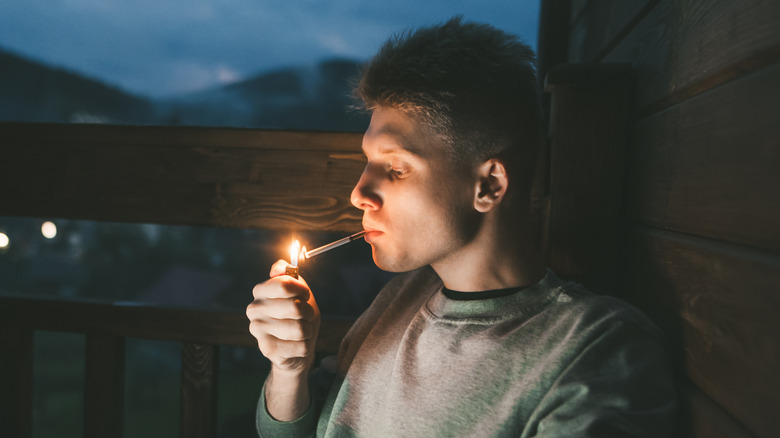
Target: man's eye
point(397, 173)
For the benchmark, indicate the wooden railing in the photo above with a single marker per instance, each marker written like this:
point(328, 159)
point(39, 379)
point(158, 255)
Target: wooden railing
point(106, 327)
point(218, 177)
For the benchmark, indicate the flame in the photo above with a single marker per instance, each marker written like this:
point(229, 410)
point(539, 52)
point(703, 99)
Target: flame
point(295, 250)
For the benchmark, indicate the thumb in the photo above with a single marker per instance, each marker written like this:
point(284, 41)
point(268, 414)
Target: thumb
point(278, 268)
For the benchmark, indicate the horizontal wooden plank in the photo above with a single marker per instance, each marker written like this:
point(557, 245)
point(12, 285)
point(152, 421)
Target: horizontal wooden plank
point(718, 304)
point(67, 173)
point(601, 24)
point(710, 166)
point(133, 321)
point(188, 137)
point(588, 75)
point(681, 49)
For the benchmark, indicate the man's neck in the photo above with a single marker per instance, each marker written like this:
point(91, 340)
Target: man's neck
point(493, 260)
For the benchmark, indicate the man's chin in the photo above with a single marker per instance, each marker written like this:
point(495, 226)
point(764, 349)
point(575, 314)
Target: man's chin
point(389, 263)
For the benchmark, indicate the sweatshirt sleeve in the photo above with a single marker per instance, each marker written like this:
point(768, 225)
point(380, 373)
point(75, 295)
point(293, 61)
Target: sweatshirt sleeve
point(320, 381)
point(269, 427)
point(619, 384)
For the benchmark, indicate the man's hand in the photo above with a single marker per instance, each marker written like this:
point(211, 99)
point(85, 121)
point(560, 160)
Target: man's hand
point(285, 320)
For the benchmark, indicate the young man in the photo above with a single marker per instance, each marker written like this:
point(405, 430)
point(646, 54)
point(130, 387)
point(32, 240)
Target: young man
point(476, 338)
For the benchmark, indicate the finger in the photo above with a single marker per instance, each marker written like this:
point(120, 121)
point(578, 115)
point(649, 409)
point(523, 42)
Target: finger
point(277, 350)
point(281, 308)
point(282, 287)
point(278, 268)
point(288, 329)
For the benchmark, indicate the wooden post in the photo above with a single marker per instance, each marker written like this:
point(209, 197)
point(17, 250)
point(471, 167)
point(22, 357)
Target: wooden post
point(104, 386)
point(16, 381)
point(199, 372)
point(590, 114)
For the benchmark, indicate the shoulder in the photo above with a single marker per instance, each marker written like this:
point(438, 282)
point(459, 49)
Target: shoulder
point(612, 367)
point(577, 319)
point(579, 303)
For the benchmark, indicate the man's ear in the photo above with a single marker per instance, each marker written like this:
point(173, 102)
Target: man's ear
point(492, 183)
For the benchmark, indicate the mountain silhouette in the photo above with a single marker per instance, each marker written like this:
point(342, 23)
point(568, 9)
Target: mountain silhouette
point(313, 98)
point(33, 92)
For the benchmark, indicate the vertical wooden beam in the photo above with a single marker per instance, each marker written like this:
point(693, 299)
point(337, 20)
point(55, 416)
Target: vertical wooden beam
point(16, 381)
point(552, 49)
point(553, 39)
point(104, 386)
point(199, 372)
point(590, 119)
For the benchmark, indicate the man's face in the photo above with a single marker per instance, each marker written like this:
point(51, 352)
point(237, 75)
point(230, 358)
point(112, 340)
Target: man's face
point(417, 203)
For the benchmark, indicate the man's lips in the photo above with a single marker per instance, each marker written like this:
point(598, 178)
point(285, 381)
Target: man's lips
point(371, 233)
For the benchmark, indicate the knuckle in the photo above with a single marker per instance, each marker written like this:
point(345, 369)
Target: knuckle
point(295, 331)
point(298, 349)
point(307, 349)
point(255, 328)
point(295, 311)
point(251, 310)
point(257, 291)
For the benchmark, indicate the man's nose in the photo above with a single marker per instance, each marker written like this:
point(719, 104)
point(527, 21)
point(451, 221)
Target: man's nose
point(365, 195)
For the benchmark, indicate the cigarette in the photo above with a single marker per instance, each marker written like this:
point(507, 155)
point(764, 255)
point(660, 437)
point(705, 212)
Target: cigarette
point(336, 244)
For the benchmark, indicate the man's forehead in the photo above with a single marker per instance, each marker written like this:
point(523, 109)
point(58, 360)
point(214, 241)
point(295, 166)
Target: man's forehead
point(391, 131)
point(388, 141)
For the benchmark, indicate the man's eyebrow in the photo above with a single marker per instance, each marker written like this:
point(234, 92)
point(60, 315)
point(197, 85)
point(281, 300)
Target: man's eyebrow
point(404, 145)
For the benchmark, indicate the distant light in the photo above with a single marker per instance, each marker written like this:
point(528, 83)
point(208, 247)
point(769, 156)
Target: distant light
point(49, 230)
point(4, 240)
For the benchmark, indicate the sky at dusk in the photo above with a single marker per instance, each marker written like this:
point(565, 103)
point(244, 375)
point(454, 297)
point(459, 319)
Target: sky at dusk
point(161, 48)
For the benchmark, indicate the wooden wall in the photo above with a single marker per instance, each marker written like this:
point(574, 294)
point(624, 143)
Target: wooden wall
point(700, 245)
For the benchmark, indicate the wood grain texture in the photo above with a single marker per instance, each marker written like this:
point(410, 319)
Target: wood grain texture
point(683, 48)
point(16, 381)
point(104, 383)
point(96, 173)
point(709, 166)
point(199, 374)
point(129, 321)
point(718, 304)
point(187, 137)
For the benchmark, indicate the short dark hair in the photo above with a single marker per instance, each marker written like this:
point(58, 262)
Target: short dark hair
point(470, 83)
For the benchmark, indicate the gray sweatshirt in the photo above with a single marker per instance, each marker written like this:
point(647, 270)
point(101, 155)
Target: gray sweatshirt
point(552, 360)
